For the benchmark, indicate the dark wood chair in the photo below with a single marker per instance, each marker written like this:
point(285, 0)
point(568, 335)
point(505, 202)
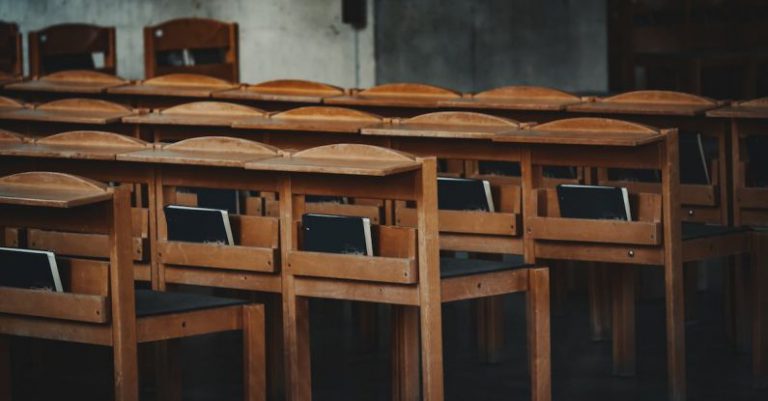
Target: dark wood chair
point(99, 305)
point(192, 45)
point(72, 47)
point(11, 62)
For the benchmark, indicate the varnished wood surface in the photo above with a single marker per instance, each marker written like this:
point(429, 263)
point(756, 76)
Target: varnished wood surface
point(584, 131)
point(208, 151)
point(757, 108)
point(177, 85)
point(649, 102)
point(314, 119)
point(516, 98)
point(349, 159)
point(396, 95)
point(446, 124)
point(7, 103)
point(86, 145)
point(51, 190)
point(84, 82)
point(283, 90)
point(75, 110)
point(203, 113)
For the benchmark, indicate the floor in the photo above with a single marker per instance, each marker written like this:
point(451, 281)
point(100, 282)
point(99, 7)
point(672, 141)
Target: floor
point(344, 370)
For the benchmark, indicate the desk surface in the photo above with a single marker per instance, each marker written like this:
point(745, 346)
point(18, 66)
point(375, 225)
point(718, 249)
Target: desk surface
point(86, 145)
point(649, 102)
point(205, 151)
point(347, 159)
point(283, 90)
point(176, 85)
point(84, 82)
point(584, 131)
point(396, 95)
point(315, 119)
point(84, 111)
point(757, 108)
point(7, 103)
point(531, 98)
point(51, 190)
point(218, 114)
point(445, 124)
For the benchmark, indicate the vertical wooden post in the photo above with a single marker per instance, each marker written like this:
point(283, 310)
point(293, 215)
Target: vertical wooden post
point(537, 313)
point(598, 289)
point(490, 327)
point(673, 268)
point(405, 353)
point(295, 309)
point(429, 282)
point(254, 354)
point(624, 355)
point(123, 298)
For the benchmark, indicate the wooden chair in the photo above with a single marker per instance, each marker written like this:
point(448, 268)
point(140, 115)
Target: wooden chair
point(170, 90)
point(656, 237)
point(192, 45)
point(82, 83)
point(71, 47)
point(406, 270)
point(100, 305)
point(750, 119)
point(11, 61)
point(281, 94)
point(395, 99)
point(64, 115)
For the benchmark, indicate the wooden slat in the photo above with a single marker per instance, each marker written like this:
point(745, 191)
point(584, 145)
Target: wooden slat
point(166, 327)
point(588, 230)
point(357, 291)
point(80, 244)
point(353, 267)
point(639, 255)
point(484, 285)
point(55, 305)
point(241, 280)
point(230, 257)
point(466, 221)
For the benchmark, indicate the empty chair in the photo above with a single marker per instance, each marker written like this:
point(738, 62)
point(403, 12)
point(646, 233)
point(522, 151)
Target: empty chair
point(10, 49)
point(192, 45)
point(72, 47)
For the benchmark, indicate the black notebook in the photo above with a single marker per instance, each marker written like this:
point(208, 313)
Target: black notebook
point(757, 168)
point(464, 194)
point(336, 234)
point(693, 161)
point(198, 224)
point(593, 202)
point(26, 268)
point(226, 199)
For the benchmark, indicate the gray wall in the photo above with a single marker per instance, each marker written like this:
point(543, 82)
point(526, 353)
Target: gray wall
point(278, 38)
point(474, 45)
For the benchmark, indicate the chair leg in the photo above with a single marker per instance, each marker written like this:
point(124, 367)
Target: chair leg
point(5, 368)
point(490, 328)
point(538, 323)
point(431, 334)
point(296, 347)
point(167, 369)
point(405, 353)
point(274, 338)
point(126, 371)
point(624, 358)
point(760, 309)
point(599, 302)
point(254, 354)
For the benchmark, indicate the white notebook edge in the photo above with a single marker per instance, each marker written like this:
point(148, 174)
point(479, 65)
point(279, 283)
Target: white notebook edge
point(368, 237)
point(489, 196)
point(625, 196)
point(227, 227)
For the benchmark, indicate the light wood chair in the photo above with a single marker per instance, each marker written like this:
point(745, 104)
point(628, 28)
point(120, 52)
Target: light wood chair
point(71, 47)
point(100, 305)
point(192, 45)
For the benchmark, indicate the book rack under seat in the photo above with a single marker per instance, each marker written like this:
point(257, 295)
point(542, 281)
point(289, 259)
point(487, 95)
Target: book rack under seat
point(406, 271)
point(101, 306)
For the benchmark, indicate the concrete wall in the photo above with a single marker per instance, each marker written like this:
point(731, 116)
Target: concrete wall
point(474, 45)
point(278, 38)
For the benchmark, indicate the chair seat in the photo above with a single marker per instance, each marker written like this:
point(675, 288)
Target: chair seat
point(154, 303)
point(454, 267)
point(693, 231)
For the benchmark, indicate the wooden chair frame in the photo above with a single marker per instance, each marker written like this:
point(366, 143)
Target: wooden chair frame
point(66, 115)
point(12, 36)
point(71, 39)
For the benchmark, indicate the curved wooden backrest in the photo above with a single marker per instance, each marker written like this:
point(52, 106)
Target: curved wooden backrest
point(12, 137)
point(596, 125)
point(210, 108)
point(223, 144)
point(70, 46)
point(659, 97)
point(408, 90)
point(348, 151)
point(8, 103)
point(11, 62)
point(83, 105)
point(85, 138)
point(190, 80)
point(463, 118)
point(193, 34)
point(525, 92)
point(757, 103)
point(83, 76)
point(321, 113)
point(46, 180)
point(292, 86)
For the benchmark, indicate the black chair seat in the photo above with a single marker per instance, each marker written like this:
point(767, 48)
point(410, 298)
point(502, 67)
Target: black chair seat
point(693, 231)
point(454, 267)
point(154, 303)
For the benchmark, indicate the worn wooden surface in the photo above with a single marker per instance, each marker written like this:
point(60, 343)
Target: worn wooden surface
point(203, 113)
point(515, 98)
point(51, 190)
point(396, 95)
point(75, 110)
point(175, 85)
point(73, 81)
point(313, 119)
point(756, 108)
point(584, 131)
point(283, 90)
point(445, 124)
point(209, 151)
point(649, 102)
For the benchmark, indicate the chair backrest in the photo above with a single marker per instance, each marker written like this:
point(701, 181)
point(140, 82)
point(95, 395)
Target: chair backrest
point(192, 45)
point(10, 49)
point(72, 47)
